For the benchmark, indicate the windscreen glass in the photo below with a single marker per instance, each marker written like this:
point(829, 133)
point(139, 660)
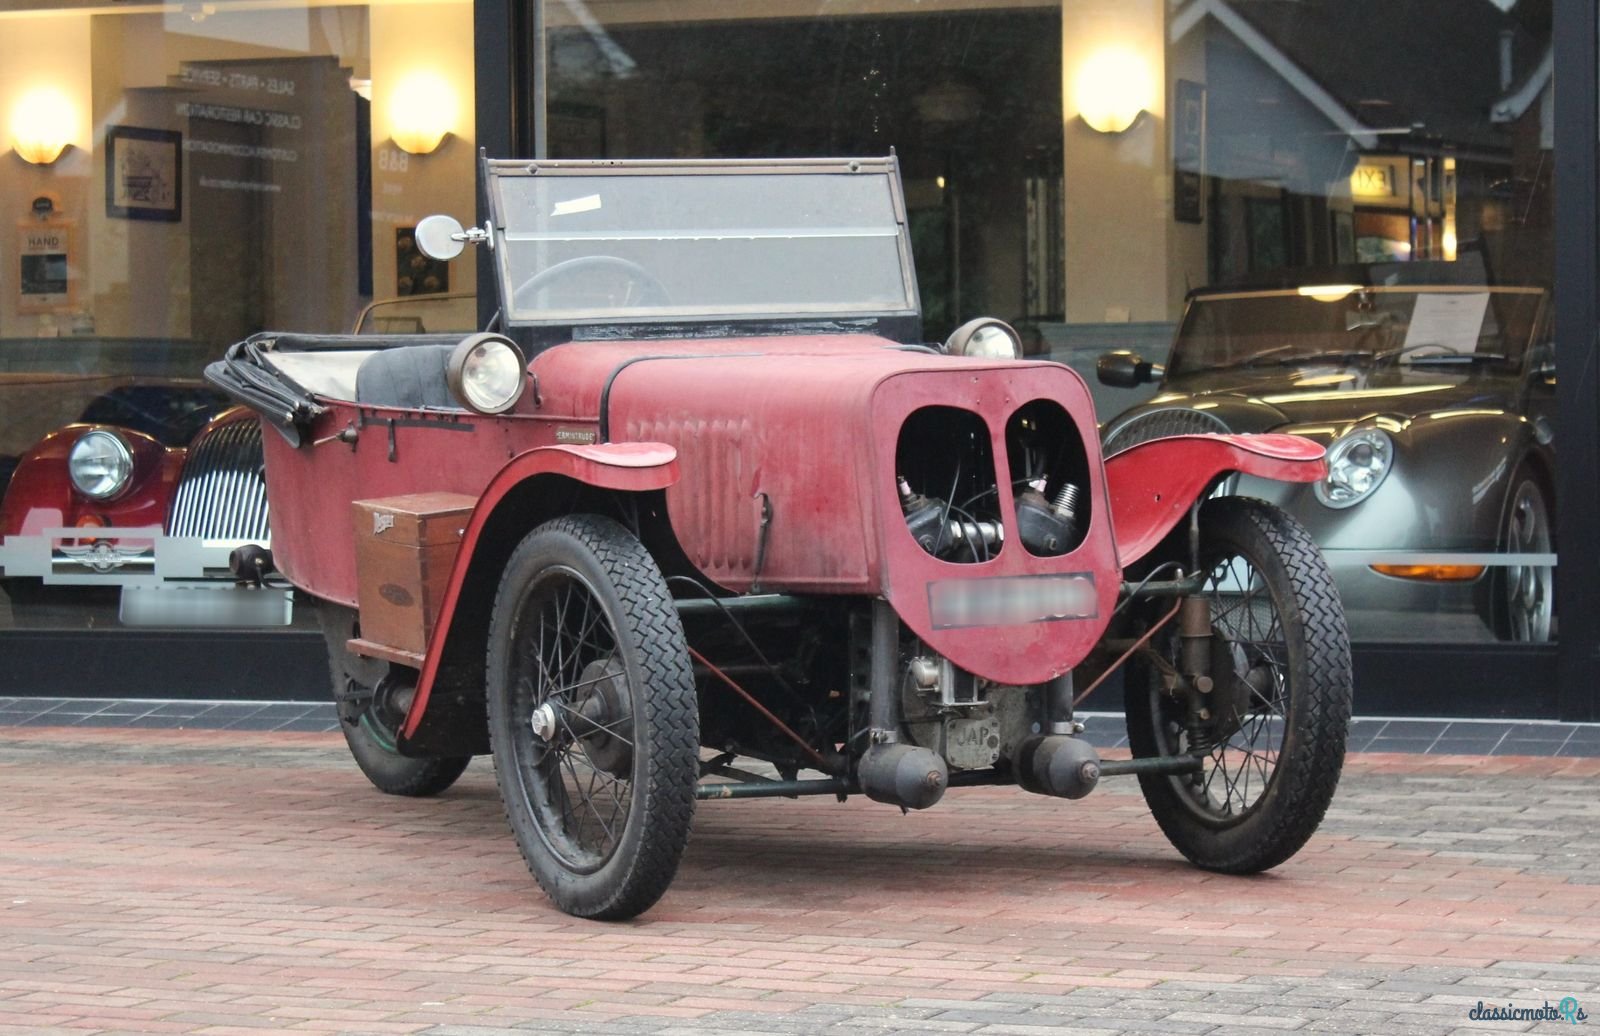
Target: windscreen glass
point(1437, 328)
point(693, 245)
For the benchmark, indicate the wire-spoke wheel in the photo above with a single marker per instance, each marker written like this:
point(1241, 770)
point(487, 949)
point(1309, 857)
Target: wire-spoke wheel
point(1271, 731)
point(592, 717)
point(371, 711)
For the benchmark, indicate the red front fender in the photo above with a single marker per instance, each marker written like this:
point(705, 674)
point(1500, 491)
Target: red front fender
point(1152, 485)
point(633, 467)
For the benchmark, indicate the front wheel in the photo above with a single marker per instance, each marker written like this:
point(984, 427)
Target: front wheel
point(1521, 597)
point(1271, 731)
point(592, 717)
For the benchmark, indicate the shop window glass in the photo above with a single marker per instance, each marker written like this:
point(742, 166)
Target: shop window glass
point(1331, 217)
point(180, 177)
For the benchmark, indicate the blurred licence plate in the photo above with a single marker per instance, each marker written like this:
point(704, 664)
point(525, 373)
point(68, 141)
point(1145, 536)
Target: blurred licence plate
point(224, 605)
point(1011, 600)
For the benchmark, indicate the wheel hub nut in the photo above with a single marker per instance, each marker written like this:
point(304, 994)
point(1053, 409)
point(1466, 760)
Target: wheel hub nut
point(543, 722)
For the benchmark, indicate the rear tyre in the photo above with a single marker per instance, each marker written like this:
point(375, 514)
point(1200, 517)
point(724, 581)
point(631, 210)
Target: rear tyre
point(371, 713)
point(592, 717)
point(1274, 743)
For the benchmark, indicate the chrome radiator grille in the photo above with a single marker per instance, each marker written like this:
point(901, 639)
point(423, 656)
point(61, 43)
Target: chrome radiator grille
point(221, 494)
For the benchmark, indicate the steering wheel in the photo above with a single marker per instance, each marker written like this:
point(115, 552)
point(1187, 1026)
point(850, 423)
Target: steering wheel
point(651, 291)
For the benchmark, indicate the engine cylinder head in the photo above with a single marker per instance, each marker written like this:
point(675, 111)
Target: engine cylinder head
point(1066, 502)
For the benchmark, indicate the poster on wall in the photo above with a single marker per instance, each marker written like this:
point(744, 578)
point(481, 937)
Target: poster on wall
point(144, 174)
point(44, 281)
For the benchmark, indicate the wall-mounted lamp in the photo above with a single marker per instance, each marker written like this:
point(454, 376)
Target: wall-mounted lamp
point(42, 125)
point(1112, 89)
point(421, 111)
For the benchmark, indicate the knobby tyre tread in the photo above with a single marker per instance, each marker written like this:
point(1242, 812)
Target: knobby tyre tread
point(665, 713)
point(388, 770)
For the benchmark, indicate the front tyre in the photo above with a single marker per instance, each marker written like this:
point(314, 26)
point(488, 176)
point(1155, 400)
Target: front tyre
point(592, 717)
point(1272, 734)
point(1521, 598)
point(371, 711)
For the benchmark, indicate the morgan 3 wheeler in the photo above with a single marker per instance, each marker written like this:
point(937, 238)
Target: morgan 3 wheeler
point(701, 517)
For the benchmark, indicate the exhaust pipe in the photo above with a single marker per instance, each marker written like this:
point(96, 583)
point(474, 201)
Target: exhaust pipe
point(1054, 764)
point(903, 775)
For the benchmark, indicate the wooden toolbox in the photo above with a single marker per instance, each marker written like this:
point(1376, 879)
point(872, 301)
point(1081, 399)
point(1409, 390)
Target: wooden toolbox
point(405, 547)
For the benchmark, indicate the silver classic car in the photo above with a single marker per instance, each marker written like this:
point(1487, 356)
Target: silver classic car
point(1435, 396)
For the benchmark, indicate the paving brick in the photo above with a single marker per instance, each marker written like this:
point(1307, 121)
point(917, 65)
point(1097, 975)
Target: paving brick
point(208, 881)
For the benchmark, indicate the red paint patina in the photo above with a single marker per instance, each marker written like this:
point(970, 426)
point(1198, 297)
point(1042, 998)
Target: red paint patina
point(1153, 485)
point(629, 467)
point(804, 427)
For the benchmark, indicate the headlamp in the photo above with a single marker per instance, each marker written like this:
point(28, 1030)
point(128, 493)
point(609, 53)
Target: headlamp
point(985, 338)
point(100, 464)
point(487, 373)
point(1357, 465)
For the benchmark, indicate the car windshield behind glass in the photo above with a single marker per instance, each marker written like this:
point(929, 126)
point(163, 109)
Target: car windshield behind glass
point(597, 242)
point(1444, 326)
point(170, 414)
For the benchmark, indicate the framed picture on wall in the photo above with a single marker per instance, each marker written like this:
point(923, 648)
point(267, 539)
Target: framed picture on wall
point(144, 174)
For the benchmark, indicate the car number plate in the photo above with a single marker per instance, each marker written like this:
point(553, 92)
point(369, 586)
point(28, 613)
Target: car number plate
point(199, 605)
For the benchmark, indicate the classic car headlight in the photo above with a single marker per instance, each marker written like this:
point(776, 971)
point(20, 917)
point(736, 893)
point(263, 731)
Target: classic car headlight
point(1357, 465)
point(986, 338)
point(487, 373)
point(100, 464)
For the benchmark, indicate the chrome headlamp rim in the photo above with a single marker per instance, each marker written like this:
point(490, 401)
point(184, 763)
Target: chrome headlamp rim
point(486, 347)
point(978, 333)
point(110, 450)
point(1335, 489)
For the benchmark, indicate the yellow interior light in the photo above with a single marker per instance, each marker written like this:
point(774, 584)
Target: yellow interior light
point(1112, 88)
point(422, 109)
point(43, 123)
point(1327, 292)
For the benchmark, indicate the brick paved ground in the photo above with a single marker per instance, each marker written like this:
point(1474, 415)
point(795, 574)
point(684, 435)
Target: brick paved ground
point(221, 881)
point(1105, 729)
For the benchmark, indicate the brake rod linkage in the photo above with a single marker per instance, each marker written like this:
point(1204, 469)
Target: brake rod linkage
point(1128, 653)
point(805, 746)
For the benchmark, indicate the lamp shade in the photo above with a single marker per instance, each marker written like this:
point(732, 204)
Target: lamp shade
point(1112, 87)
point(43, 123)
point(422, 109)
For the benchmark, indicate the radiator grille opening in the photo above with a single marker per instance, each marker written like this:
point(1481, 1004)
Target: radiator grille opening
point(221, 493)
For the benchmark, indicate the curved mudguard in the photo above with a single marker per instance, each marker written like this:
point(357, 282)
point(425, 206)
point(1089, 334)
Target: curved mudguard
point(633, 467)
point(1153, 485)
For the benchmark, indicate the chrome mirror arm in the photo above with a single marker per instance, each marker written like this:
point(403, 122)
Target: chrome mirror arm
point(483, 235)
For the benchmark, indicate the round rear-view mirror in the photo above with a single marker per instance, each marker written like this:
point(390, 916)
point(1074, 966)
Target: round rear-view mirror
point(440, 237)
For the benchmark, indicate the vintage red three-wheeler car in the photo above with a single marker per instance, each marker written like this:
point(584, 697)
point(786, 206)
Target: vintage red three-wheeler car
point(703, 495)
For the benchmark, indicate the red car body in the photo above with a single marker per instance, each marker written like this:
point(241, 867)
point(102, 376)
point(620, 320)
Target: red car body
point(733, 505)
point(717, 426)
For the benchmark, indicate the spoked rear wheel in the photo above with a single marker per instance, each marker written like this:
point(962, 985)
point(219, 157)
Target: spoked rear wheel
point(1272, 730)
point(372, 708)
point(592, 717)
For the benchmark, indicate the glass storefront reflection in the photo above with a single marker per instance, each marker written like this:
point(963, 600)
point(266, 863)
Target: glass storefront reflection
point(183, 176)
point(1326, 217)
point(1331, 216)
